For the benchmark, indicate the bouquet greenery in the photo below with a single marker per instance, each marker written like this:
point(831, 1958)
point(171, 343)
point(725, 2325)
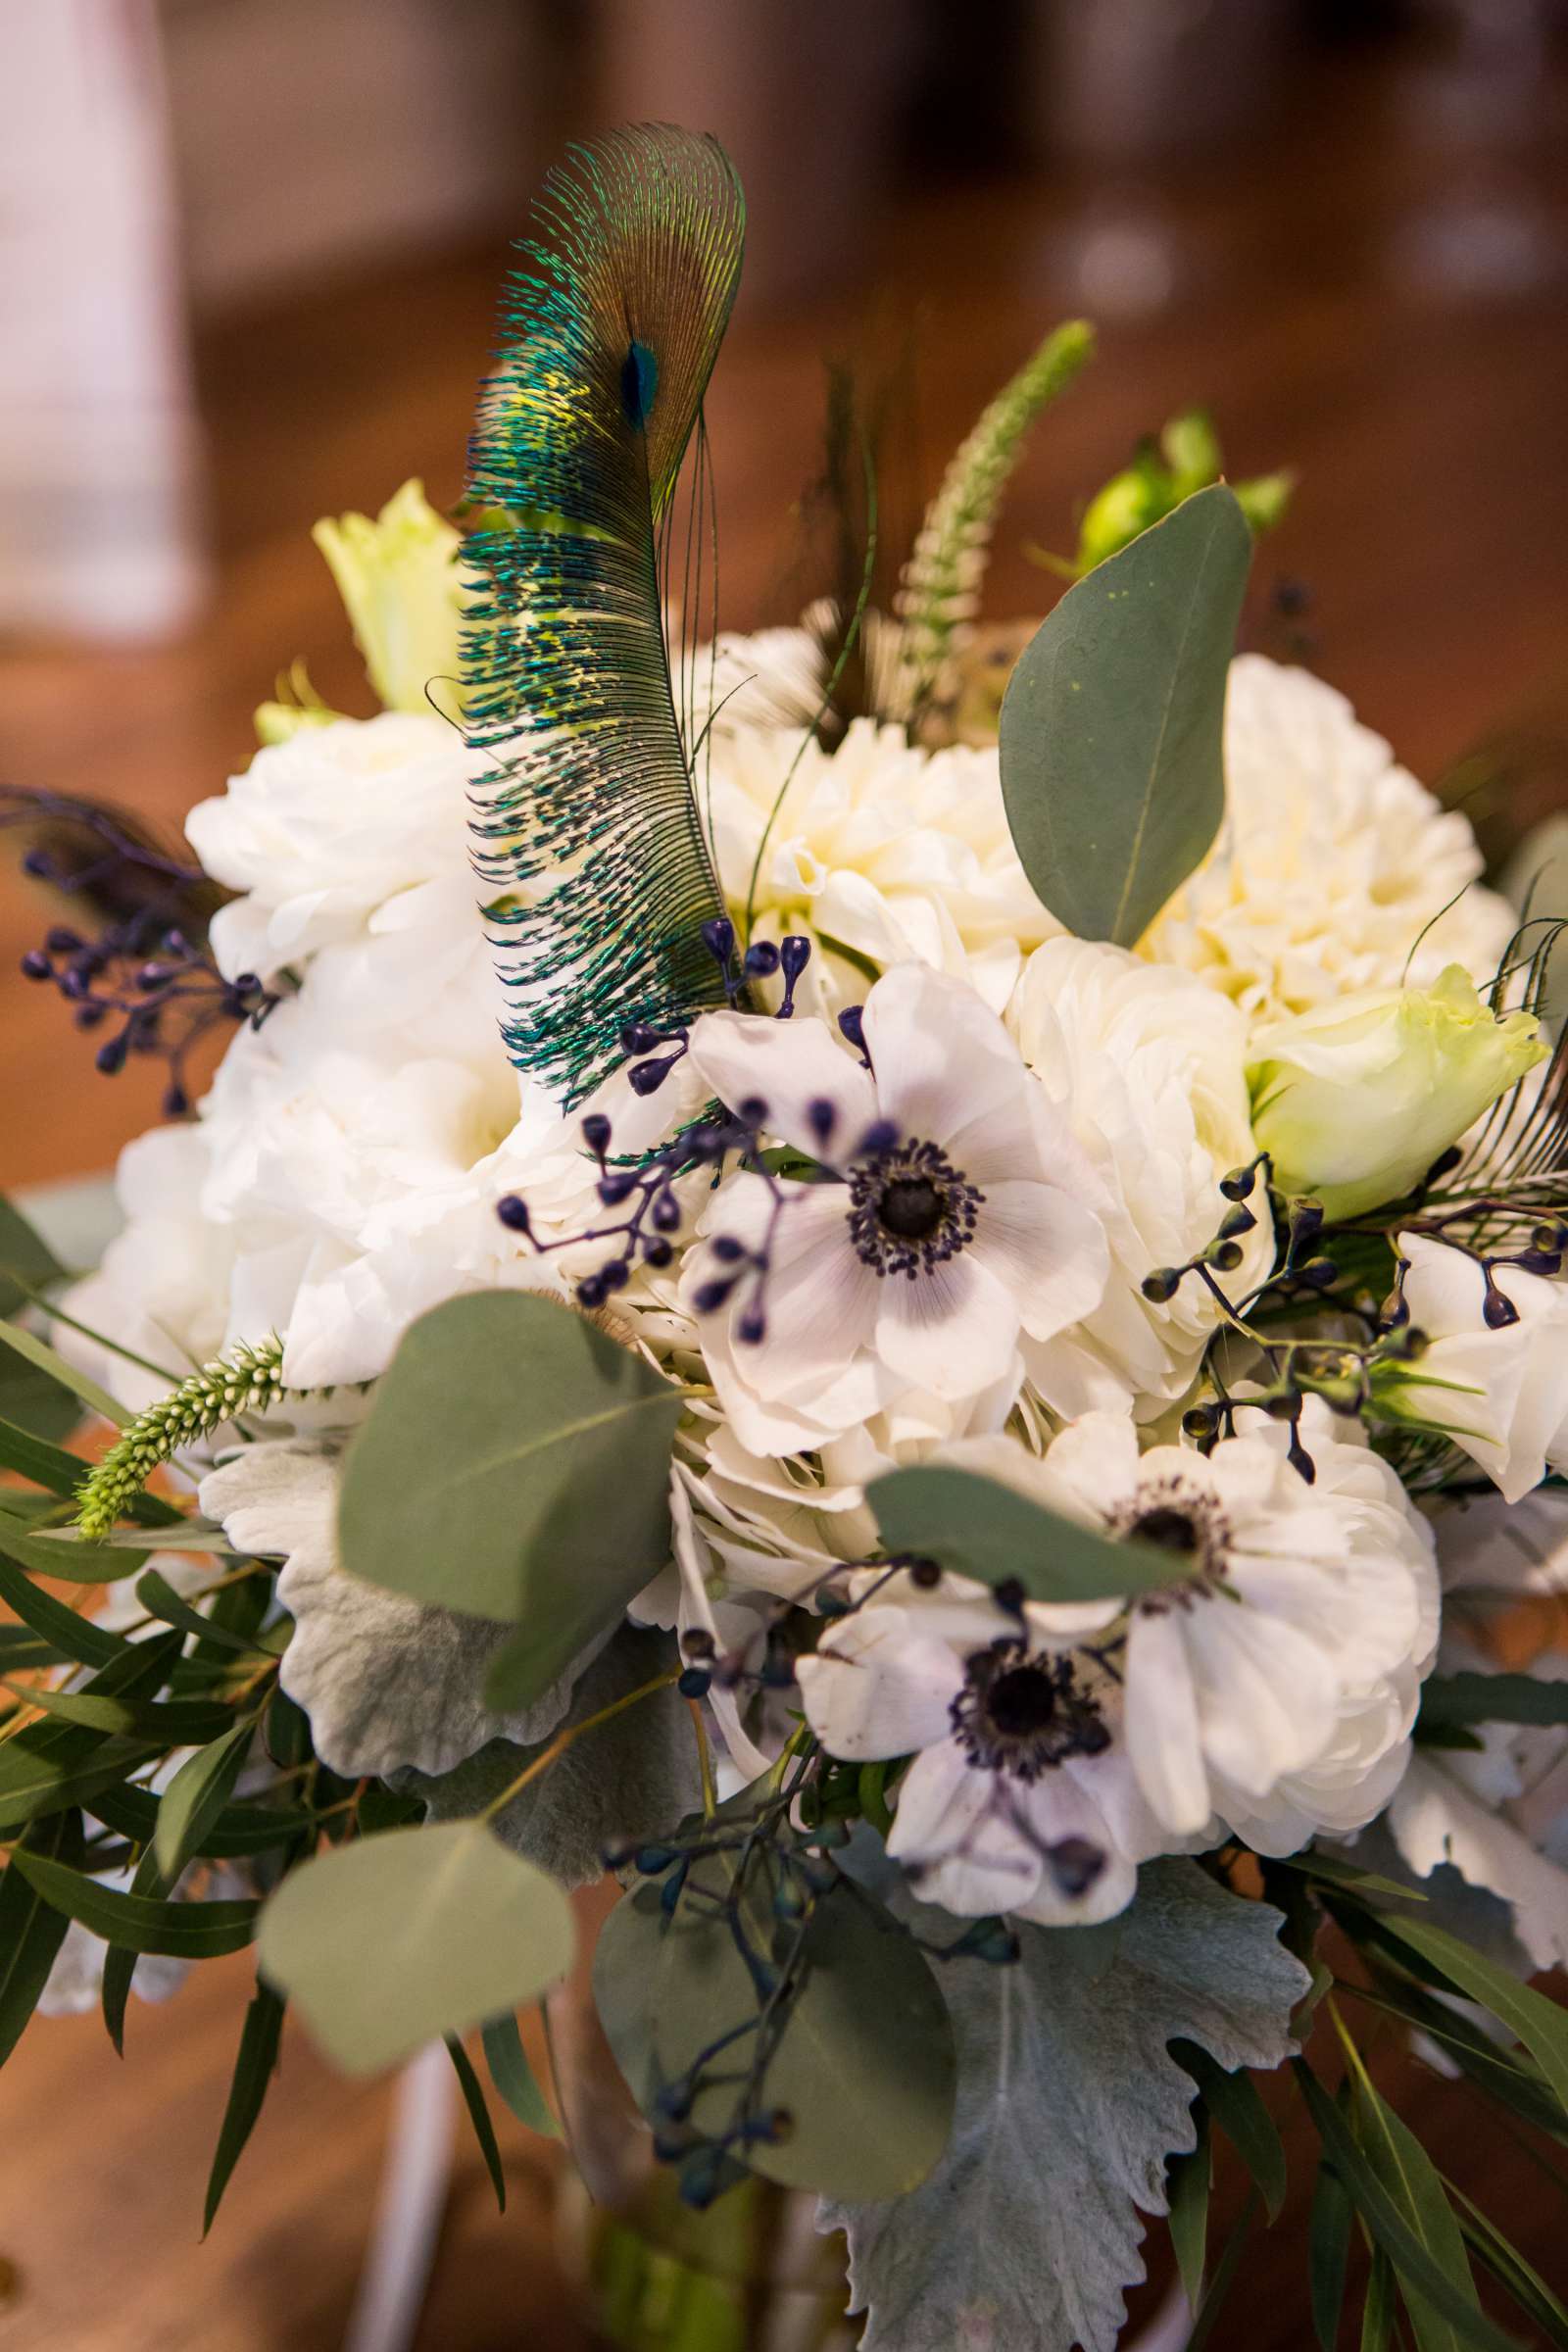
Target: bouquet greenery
point(937, 1334)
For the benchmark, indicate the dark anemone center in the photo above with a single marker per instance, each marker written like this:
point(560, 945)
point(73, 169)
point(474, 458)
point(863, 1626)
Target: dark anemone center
point(1170, 1529)
point(1022, 1702)
point(912, 1206)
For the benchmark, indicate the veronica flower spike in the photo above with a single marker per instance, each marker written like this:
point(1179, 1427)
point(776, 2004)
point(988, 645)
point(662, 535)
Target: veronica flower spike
point(960, 1214)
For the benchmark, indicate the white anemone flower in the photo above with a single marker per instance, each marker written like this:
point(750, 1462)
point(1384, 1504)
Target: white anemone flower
point(1494, 1373)
point(958, 1213)
point(1258, 1688)
point(1020, 1797)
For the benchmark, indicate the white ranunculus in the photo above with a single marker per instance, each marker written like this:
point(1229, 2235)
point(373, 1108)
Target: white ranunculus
point(1146, 1067)
point(960, 1214)
point(326, 832)
point(1020, 1797)
point(1333, 866)
point(1498, 1390)
point(1355, 1101)
point(398, 577)
point(876, 846)
point(1258, 1688)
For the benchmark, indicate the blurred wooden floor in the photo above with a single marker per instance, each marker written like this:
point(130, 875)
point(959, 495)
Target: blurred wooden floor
point(1432, 527)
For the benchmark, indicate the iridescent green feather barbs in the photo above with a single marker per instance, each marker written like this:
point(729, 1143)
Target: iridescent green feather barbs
point(587, 832)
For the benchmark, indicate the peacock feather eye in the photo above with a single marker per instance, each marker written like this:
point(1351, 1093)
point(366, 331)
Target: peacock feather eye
point(597, 878)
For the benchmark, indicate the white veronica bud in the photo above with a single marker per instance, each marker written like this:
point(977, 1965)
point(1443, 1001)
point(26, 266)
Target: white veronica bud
point(398, 577)
point(1354, 1099)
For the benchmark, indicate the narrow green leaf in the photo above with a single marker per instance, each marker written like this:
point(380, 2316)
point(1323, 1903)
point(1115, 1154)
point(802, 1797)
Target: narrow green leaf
point(1509, 2076)
point(196, 1795)
point(1539, 2024)
point(191, 1534)
point(390, 1941)
point(1511, 2270)
point(64, 1628)
point(1390, 2229)
point(239, 1829)
point(1411, 2179)
point(35, 1459)
point(1328, 2254)
point(139, 1923)
point(75, 1562)
point(1224, 2278)
point(514, 1465)
point(160, 1600)
point(21, 1647)
point(27, 1261)
point(175, 1725)
point(1378, 2310)
point(980, 1528)
point(1111, 730)
point(119, 1963)
point(1187, 2186)
point(253, 2074)
point(1450, 1700)
point(30, 1929)
point(513, 2078)
point(478, 2116)
point(49, 1765)
point(1332, 1870)
point(44, 1358)
point(1236, 2105)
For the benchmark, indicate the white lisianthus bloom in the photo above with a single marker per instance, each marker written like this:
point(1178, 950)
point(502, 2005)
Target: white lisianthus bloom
point(1020, 1797)
point(960, 1214)
point(1494, 1374)
point(1333, 866)
point(1355, 1101)
point(1146, 1067)
point(397, 578)
point(326, 834)
point(876, 846)
point(1256, 1689)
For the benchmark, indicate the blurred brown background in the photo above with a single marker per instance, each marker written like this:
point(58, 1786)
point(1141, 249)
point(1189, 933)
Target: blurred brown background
point(248, 256)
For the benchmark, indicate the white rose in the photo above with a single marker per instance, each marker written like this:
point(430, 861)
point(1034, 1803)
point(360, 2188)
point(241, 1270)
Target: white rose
point(324, 832)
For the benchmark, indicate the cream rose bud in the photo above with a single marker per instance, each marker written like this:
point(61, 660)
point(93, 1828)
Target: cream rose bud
point(1356, 1100)
point(398, 577)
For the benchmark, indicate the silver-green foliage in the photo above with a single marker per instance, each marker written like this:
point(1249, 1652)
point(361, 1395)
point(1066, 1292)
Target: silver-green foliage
point(1069, 2103)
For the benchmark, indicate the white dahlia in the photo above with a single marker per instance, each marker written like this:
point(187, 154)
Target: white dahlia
point(1331, 863)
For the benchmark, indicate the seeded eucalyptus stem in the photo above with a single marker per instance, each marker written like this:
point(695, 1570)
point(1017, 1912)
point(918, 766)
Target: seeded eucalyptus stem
point(248, 1379)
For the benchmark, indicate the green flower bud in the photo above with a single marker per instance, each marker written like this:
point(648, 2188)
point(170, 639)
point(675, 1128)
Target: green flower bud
point(398, 577)
point(1356, 1099)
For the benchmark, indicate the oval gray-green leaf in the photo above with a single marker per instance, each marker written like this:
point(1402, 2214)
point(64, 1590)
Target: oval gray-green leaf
point(515, 1466)
point(865, 2064)
point(1112, 731)
point(980, 1528)
point(394, 1941)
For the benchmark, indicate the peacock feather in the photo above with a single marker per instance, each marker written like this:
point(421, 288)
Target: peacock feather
point(587, 827)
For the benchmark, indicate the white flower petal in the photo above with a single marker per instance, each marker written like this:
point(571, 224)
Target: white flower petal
point(790, 1066)
point(878, 1685)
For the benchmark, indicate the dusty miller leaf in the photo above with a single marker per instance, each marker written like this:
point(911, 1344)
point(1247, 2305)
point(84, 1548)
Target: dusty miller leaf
point(630, 1778)
point(1069, 2103)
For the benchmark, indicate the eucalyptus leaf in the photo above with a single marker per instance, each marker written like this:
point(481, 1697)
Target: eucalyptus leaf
point(394, 1941)
point(1111, 730)
point(863, 2063)
point(253, 2073)
point(31, 1930)
point(980, 1528)
point(141, 1923)
point(515, 1466)
point(1069, 2104)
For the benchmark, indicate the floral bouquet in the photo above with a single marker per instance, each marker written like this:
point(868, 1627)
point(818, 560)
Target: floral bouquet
point(931, 1326)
